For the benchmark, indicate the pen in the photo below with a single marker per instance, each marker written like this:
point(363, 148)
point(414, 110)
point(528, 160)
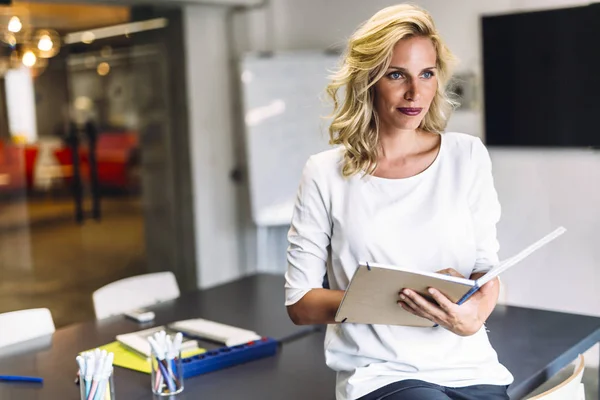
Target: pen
point(14, 378)
point(87, 379)
point(105, 376)
point(159, 354)
point(97, 375)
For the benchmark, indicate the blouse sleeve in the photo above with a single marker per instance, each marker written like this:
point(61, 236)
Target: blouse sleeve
point(485, 209)
point(309, 236)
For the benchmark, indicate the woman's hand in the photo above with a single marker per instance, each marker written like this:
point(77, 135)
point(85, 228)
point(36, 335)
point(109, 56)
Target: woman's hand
point(464, 320)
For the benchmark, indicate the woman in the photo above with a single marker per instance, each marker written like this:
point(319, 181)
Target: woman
point(398, 191)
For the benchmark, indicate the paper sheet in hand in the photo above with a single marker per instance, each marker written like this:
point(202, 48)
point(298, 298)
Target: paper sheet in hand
point(372, 295)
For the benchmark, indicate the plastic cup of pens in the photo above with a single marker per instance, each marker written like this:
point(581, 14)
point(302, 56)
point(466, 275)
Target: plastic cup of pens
point(165, 363)
point(96, 375)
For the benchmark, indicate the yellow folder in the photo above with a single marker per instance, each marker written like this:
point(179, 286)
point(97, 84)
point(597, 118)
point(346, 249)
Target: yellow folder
point(129, 359)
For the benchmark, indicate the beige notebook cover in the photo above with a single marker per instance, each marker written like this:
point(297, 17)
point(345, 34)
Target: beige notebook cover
point(372, 295)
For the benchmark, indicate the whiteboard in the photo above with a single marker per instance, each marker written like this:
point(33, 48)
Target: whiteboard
point(285, 108)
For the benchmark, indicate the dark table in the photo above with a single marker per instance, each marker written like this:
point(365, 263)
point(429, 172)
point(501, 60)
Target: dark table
point(536, 344)
point(533, 344)
point(254, 303)
point(296, 372)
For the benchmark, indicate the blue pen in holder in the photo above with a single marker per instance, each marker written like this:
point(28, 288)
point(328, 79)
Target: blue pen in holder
point(166, 375)
point(165, 364)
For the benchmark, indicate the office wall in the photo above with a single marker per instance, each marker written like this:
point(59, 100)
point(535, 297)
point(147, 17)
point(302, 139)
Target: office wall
point(219, 242)
point(539, 189)
point(192, 201)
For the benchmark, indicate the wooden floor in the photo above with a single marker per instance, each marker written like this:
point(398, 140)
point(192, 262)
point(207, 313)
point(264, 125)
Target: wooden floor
point(48, 260)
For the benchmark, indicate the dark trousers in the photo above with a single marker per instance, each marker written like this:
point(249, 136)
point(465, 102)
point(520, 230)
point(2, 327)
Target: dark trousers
point(413, 389)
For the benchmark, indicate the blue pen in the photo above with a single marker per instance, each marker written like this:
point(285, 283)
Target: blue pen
point(13, 378)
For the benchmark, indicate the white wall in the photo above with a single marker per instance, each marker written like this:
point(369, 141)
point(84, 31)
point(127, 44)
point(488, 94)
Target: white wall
point(218, 235)
point(539, 188)
point(539, 191)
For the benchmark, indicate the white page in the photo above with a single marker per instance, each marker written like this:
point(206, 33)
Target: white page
point(449, 278)
point(509, 262)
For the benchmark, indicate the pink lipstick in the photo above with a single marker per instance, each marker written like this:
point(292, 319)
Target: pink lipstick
point(410, 111)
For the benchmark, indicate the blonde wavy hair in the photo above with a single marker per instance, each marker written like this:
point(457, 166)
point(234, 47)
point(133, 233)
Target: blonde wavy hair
point(355, 123)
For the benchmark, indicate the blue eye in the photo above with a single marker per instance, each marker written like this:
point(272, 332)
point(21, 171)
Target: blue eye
point(428, 75)
point(395, 75)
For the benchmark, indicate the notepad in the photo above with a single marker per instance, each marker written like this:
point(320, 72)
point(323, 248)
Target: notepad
point(215, 331)
point(372, 295)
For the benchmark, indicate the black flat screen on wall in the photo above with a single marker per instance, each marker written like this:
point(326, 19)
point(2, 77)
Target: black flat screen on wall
point(542, 78)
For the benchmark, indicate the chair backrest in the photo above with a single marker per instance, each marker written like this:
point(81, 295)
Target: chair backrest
point(19, 326)
point(571, 388)
point(134, 292)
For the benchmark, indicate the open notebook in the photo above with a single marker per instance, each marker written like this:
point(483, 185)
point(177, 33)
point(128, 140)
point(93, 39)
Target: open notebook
point(372, 295)
point(138, 341)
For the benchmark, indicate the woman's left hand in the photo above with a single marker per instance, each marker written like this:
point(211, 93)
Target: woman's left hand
point(464, 320)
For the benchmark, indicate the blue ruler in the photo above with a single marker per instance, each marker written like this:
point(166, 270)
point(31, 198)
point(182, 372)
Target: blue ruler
point(225, 357)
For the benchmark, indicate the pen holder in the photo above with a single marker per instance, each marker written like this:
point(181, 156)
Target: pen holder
point(166, 376)
point(102, 388)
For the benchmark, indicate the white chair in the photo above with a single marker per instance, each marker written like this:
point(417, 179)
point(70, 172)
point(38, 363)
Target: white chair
point(570, 389)
point(134, 292)
point(19, 326)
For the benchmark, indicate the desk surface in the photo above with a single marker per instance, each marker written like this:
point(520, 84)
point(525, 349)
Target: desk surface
point(536, 344)
point(254, 303)
point(533, 344)
point(296, 372)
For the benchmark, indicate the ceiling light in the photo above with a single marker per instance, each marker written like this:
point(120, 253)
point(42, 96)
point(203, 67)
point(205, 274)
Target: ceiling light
point(15, 25)
point(29, 59)
point(103, 69)
point(45, 43)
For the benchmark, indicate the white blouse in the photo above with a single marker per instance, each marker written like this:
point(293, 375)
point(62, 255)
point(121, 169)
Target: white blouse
point(444, 217)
